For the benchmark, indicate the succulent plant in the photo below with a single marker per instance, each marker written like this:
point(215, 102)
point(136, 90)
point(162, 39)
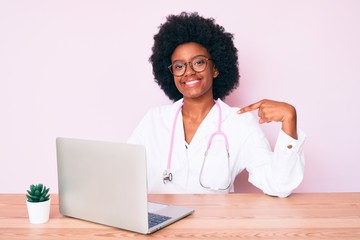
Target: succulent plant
point(38, 193)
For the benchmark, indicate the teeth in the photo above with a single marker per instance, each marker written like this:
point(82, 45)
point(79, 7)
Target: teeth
point(191, 82)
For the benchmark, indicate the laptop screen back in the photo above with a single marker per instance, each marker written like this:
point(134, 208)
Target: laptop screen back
point(103, 182)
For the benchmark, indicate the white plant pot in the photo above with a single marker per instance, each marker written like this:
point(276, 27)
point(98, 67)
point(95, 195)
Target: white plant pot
point(38, 212)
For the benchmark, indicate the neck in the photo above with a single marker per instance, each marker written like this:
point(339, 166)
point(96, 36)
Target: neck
point(194, 112)
point(195, 109)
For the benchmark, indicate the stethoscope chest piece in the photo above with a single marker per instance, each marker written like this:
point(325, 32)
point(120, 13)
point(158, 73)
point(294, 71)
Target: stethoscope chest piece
point(167, 176)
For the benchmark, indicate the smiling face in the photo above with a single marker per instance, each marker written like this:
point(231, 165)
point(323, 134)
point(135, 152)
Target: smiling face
point(194, 84)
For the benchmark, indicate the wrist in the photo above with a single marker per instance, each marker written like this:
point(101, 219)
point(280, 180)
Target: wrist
point(289, 127)
point(289, 124)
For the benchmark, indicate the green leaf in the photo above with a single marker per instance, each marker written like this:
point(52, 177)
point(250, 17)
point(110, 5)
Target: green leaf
point(40, 187)
point(37, 193)
point(32, 198)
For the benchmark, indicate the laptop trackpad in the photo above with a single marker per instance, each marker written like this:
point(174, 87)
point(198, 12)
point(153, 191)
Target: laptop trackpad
point(154, 207)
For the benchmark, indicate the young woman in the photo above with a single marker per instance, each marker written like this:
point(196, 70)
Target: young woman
point(199, 144)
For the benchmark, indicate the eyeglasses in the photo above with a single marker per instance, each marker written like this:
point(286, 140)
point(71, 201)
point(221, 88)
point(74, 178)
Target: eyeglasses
point(198, 64)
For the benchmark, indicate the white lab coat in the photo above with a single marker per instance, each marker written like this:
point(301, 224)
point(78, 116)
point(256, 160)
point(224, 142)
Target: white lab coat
point(276, 172)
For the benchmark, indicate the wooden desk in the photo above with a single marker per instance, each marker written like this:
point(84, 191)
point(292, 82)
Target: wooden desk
point(232, 216)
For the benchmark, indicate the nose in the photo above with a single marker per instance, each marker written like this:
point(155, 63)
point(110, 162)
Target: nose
point(189, 70)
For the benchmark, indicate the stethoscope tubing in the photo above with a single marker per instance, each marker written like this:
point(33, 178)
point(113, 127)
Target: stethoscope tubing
point(167, 175)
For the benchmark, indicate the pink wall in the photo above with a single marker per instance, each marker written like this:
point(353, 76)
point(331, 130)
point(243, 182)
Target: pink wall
point(80, 69)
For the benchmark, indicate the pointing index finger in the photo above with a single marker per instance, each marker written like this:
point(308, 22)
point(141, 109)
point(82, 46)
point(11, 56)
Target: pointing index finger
point(250, 107)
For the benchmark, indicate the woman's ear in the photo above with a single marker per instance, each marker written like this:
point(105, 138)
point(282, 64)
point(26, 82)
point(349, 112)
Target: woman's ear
point(216, 72)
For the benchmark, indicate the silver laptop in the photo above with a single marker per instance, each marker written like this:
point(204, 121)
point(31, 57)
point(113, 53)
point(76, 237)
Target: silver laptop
point(105, 182)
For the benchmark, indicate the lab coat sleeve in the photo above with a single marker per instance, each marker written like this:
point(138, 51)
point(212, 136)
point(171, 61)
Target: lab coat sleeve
point(278, 172)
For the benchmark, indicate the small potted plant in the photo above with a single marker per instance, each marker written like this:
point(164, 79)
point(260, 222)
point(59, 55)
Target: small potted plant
point(38, 203)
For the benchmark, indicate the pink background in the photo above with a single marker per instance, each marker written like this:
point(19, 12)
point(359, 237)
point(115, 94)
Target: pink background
point(80, 69)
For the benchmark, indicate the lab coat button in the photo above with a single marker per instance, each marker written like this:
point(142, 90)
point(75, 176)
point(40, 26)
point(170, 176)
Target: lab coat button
point(289, 146)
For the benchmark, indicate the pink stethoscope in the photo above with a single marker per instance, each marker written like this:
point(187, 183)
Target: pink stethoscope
point(167, 175)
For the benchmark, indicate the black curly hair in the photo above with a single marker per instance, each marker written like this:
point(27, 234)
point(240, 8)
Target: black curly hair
point(190, 27)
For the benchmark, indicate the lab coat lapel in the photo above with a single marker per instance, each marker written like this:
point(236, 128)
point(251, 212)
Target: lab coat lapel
point(210, 123)
point(225, 109)
point(179, 138)
point(169, 116)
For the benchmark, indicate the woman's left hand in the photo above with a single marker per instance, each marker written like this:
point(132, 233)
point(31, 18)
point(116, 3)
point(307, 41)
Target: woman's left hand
point(273, 111)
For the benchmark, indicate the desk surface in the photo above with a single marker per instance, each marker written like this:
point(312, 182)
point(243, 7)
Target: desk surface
point(230, 216)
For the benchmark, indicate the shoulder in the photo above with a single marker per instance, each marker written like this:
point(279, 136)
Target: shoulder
point(164, 111)
point(241, 125)
point(231, 113)
point(160, 116)
point(155, 120)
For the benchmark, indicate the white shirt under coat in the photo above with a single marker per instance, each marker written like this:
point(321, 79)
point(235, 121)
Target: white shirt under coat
point(276, 172)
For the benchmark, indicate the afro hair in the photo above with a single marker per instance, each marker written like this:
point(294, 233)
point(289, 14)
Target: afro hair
point(190, 27)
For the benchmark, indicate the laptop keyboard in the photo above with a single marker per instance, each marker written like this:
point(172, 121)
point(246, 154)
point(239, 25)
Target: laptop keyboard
point(155, 219)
